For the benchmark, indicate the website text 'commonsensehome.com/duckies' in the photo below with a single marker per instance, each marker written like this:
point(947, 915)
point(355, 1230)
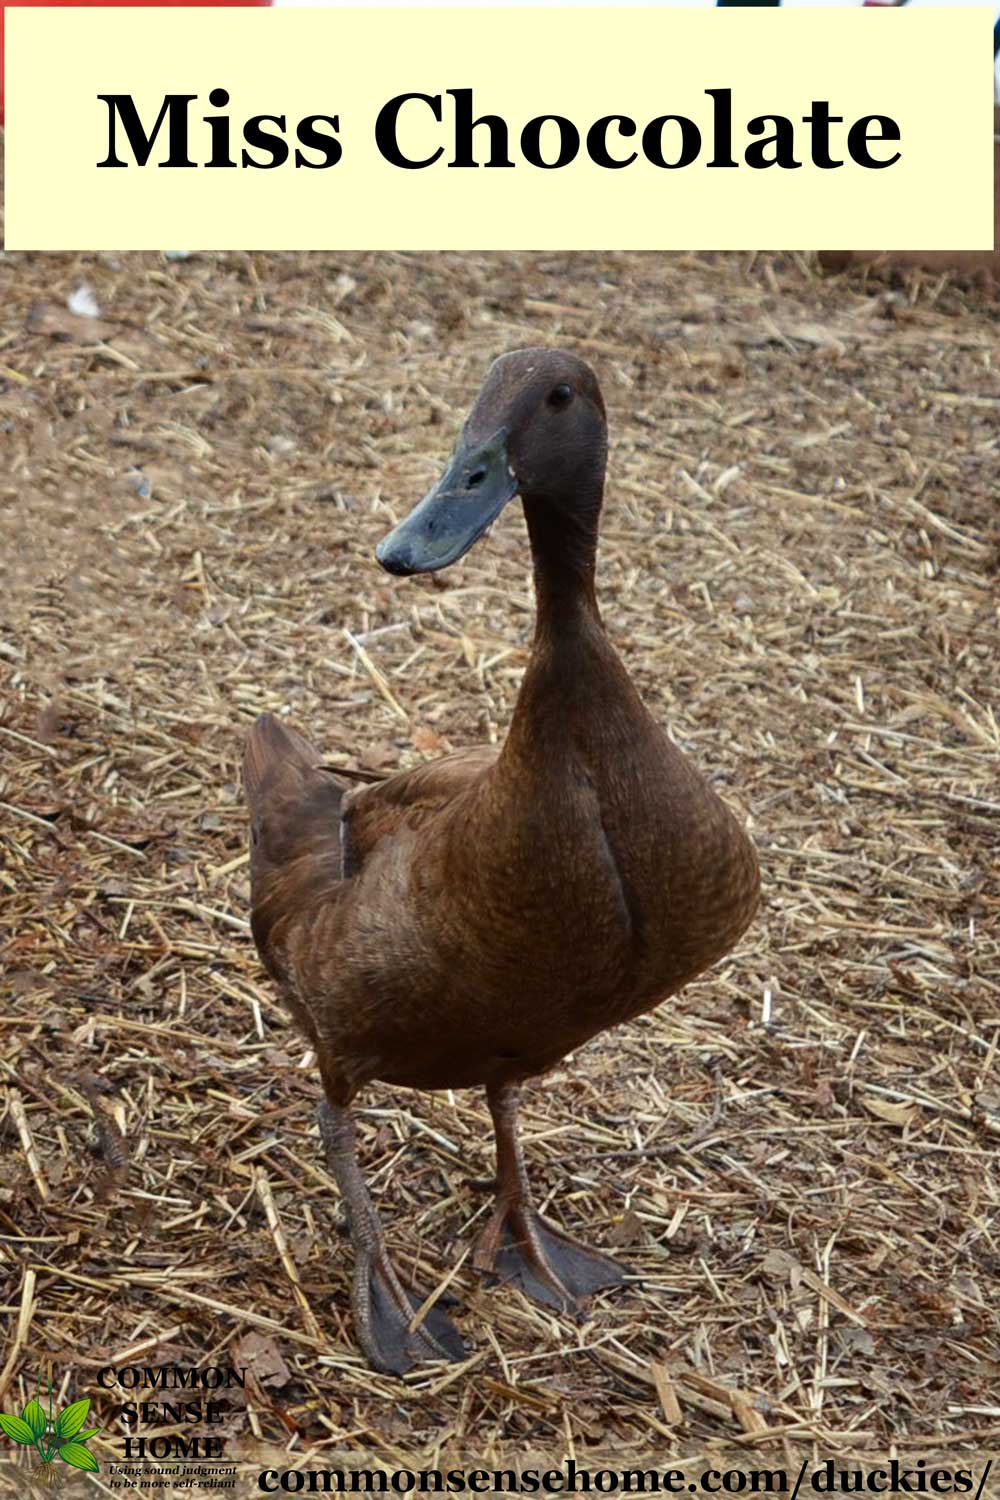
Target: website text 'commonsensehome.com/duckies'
point(920, 1476)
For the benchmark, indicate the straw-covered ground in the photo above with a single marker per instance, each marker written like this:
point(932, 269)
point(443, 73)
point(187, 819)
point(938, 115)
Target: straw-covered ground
point(796, 1157)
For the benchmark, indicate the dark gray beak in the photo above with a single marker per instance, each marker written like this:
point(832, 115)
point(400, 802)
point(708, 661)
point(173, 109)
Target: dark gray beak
point(470, 494)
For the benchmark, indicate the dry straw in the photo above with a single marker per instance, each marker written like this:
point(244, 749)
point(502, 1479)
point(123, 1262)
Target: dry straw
point(796, 1159)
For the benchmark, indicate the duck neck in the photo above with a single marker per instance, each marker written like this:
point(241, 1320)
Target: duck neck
point(570, 654)
point(564, 553)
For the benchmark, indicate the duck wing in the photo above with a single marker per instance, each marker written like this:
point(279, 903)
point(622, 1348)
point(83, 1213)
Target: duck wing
point(409, 798)
point(309, 832)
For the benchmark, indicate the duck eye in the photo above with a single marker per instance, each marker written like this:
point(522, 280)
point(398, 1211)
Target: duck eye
point(561, 396)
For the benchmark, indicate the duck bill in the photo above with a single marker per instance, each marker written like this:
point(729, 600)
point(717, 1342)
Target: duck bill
point(452, 516)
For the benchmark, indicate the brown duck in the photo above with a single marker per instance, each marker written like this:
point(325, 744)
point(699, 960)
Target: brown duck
point(472, 920)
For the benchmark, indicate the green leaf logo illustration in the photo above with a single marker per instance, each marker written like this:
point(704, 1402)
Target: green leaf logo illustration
point(72, 1419)
point(53, 1435)
point(79, 1456)
point(16, 1429)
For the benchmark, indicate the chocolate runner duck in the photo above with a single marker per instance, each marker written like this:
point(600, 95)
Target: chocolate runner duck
point(469, 922)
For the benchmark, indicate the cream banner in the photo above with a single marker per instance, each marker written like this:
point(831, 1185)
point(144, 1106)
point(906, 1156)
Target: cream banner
point(516, 128)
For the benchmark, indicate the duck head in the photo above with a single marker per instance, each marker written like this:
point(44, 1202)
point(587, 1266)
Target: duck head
point(537, 429)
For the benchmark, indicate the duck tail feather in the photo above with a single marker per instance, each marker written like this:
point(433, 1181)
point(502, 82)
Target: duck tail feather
point(274, 750)
point(294, 805)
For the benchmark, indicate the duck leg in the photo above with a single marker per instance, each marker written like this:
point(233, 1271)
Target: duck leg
point(383, 1309)
point(518, 1246)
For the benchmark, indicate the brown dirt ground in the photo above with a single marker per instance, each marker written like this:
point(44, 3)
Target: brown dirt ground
point(796, 1157)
